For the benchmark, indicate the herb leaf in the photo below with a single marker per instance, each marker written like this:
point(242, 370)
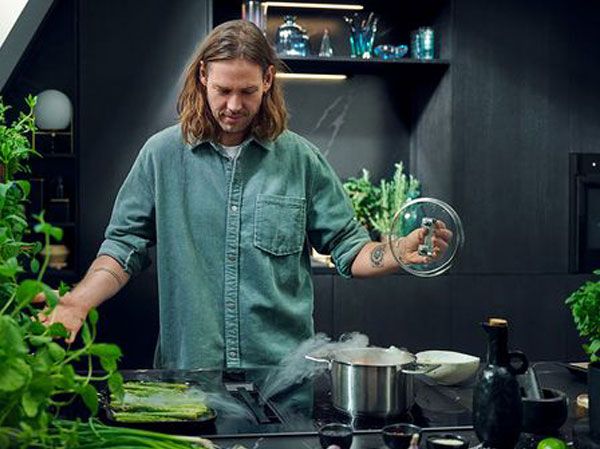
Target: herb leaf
point(585, 308)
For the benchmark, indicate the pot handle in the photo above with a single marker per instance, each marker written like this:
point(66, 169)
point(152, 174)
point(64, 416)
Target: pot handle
point(312, 358)
point(418, 368)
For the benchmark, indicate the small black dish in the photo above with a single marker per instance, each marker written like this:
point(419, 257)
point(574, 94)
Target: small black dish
point(398, 436)
point(335, 434)
point(446, 441)
point(545, 416)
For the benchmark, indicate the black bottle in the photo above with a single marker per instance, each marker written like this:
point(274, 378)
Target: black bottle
point(497, 406)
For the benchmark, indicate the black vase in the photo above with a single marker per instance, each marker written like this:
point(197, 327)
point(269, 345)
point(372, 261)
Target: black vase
point(497, 406)
point(594, 398)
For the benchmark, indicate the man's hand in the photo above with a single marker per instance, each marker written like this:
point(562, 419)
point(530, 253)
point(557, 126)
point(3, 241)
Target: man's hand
point(377, 259)
point(69, 311)
point(407, 248)
point(103, 280)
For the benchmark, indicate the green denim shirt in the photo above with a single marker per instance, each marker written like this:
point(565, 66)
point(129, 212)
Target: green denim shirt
point(232, 239)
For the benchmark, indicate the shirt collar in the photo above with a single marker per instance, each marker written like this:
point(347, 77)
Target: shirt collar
point(268, 145)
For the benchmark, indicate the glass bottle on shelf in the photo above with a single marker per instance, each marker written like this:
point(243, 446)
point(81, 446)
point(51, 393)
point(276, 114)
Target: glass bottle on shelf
point(60, 188)
point(255, 12)
point(291, 39)
point(326, 50)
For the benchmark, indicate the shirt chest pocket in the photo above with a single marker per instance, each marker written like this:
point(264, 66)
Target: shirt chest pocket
point(279, 224)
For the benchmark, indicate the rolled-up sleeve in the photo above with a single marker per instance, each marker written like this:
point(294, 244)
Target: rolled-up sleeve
point(132, 230)
point(332, 226)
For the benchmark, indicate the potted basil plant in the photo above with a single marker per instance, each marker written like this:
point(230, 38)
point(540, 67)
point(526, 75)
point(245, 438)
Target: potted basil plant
point(375, 206)
point(585, 308)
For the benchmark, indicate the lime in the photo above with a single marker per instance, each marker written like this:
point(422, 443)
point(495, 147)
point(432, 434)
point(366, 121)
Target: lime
point(552, 443)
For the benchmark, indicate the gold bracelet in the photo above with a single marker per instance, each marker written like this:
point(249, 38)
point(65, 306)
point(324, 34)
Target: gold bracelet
point(109, 271)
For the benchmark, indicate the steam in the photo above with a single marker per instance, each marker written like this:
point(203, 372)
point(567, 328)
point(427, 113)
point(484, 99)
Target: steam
point(294, 368)
point(226, 405)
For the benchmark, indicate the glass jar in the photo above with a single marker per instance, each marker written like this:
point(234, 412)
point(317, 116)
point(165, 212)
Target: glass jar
point(291, 39)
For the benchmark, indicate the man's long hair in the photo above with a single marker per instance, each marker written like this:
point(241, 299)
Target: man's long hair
point(231, 40)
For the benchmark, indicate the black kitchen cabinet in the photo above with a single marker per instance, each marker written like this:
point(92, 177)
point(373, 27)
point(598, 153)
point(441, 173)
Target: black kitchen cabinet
point(487, 128)
point(445, 312)
point(396, 21)
point(401, 68)
point(131, 61)
point(386, 111)
point(120, 68)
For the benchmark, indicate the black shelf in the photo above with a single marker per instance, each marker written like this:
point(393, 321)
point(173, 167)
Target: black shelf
point(54, 276)
point(53, 133)
point(318, 268)
point(57, 155)
point(358, 61)
point(347, 65)
point(64, 224)
point(66, 272)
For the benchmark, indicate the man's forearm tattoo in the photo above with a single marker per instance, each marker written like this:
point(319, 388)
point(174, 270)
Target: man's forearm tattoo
point(377, 254)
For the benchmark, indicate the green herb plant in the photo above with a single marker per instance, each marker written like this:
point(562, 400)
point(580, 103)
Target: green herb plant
point(585, 308)
point(37, 375)
point(364, 196)
point(375, 206)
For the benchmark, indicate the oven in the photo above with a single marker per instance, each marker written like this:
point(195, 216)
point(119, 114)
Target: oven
point(584, 211)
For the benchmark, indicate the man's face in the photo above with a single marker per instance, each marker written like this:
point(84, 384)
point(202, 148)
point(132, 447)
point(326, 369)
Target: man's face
point(235, 89)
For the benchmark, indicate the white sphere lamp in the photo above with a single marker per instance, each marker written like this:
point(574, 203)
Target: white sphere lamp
point(53, 110)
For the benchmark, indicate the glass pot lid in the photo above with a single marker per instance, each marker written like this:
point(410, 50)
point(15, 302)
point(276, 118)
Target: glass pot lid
point(424, 221)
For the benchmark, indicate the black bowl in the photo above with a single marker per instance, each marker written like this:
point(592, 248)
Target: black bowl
point(338, 434)
point(398, 436)
point(447, 441)
point(545, 416)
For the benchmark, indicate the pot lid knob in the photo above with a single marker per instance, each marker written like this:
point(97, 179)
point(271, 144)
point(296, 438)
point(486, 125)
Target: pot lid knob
point(427, 219)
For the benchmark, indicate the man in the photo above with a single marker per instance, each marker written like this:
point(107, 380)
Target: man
point(232, 200)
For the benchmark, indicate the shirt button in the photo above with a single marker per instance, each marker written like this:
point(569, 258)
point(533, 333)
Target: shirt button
point(232, 354)
point(234, 208)
point(231, 258)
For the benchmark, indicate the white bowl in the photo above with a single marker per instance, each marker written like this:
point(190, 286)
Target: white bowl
point(455, 367)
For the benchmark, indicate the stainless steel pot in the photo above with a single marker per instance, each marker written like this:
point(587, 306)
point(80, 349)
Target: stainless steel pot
point(372, 381)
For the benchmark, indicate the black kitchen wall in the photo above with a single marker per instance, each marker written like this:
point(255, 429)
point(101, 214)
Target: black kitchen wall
point(523, 97)
point(132, 55)
point(352, 122)
point(120, 63)
point(492, 137)
point(50, 61)
point(511, 121)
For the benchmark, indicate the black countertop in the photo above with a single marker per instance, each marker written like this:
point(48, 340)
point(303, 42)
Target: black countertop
point(291, 417)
